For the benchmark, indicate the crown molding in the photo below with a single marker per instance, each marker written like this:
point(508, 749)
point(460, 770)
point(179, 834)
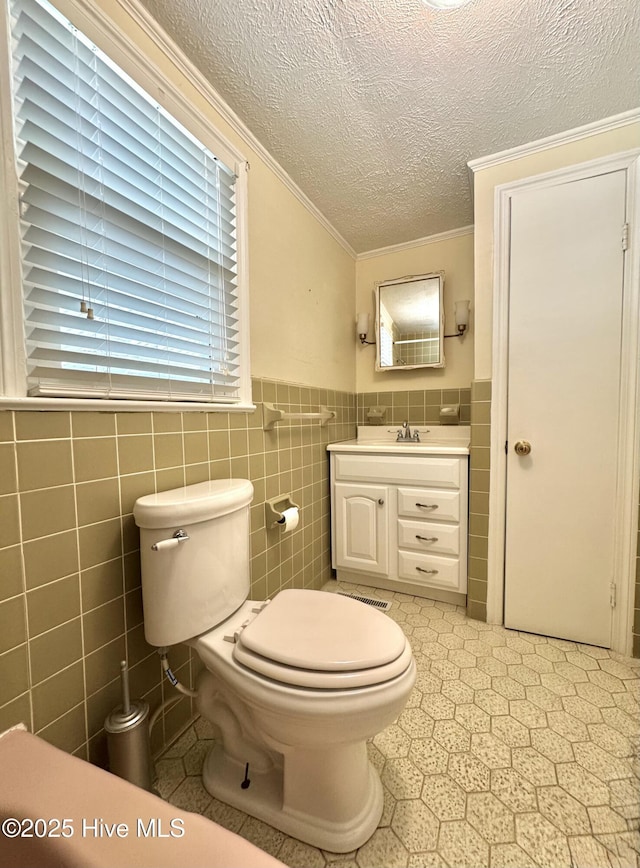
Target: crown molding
point(602, 126)
point(418, 242)
point(152, 29)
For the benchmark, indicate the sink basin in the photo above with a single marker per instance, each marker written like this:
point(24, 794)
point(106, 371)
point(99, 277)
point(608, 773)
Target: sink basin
point(443, 440)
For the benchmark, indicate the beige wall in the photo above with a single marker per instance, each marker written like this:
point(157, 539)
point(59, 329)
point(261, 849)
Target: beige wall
point(485, 182)
point(454, 256)
point(302, 284)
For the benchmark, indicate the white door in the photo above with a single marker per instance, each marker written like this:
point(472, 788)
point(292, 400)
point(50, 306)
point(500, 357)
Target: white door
point(564, 361)
point(362, 527)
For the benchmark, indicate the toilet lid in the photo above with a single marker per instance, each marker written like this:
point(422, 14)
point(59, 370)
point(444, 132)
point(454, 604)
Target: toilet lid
point(319, 639)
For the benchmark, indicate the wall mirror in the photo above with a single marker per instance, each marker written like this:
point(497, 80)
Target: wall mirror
point(410, 323)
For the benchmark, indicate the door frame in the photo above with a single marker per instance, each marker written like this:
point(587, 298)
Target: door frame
point(628, 469)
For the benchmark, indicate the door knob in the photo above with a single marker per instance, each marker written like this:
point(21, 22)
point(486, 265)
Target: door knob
point(522, 447)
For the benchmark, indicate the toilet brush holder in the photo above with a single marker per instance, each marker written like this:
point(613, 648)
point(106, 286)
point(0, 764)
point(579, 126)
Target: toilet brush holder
point(127, 729)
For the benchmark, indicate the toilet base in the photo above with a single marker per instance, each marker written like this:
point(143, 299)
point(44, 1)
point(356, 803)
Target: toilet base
point(359, 808)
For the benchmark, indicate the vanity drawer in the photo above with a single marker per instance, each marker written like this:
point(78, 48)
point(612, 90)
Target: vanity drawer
point(426, 536)
point(430, 504)
point(423, 569)
point(403, 469)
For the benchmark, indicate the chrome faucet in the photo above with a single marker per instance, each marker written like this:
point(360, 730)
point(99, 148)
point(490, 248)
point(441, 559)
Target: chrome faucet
point(404, 433)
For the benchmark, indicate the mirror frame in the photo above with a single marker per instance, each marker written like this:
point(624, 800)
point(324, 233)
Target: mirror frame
point(406, 280)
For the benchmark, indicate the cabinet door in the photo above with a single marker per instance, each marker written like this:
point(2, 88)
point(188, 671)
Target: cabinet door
point(362, 527)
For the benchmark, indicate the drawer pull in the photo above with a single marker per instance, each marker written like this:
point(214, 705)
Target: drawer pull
point(422, 570)
point(427, 538)
point(427, 505)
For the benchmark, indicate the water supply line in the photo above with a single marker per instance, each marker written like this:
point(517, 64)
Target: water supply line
point(172, 678)
point(174, 681)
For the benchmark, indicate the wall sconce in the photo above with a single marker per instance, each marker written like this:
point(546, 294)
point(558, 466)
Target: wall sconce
point(363, 328)
point(461, 309)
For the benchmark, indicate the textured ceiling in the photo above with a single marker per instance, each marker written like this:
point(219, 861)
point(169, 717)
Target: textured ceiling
point(373, 107)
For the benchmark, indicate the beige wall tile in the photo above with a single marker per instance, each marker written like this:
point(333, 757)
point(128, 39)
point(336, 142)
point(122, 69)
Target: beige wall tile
point(103, 665)
point(477, 610)
point(8, 475)
point(100, 542)
point(50, 558)
point(134, 486)
point(88, 424)
point(42, 425)
point(55, 650)
point(14, 673)
point(68, 732)
point(97, 501)
point(53, 604)
point(481, 390)
point(133, 423)
point(196, 447)
point(195, 421)
point(6, 425)
point(171, 478)
point(103, 625)
point(101, 703)
point(95, 458)
point(13, 627)
point(165, 422)
point(9, 520)
point(135, 453)
point(168, 450)
point(477, 590)
point(44, 464)
point(10, 572)
point(109, 540)
point(195, 473)
point(102, 583)
point(16, 711)
point(54, 697)
point(47, 511)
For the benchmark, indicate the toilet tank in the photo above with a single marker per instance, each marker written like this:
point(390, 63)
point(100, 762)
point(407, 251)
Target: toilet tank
point(189, 587)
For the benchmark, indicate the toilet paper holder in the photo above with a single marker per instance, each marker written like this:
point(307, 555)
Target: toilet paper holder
point(274, 508)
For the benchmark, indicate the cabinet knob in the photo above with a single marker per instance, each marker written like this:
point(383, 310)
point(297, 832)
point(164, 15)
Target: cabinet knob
point(381, 501)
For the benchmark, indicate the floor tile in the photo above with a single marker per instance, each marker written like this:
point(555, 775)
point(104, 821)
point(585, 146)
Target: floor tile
point(514, 751)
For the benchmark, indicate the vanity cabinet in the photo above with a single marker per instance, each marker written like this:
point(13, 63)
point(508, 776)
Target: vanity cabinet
point(400, 521)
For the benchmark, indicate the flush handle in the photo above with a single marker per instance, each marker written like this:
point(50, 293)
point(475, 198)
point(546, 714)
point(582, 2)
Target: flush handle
point(522, 447)
point(171, 543)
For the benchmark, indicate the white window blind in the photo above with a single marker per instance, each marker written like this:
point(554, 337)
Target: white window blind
point(128, 230)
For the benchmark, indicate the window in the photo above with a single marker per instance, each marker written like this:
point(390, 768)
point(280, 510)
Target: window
point(130, 261)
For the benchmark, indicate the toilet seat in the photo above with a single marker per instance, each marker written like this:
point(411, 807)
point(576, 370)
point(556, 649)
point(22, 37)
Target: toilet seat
point(322, 640)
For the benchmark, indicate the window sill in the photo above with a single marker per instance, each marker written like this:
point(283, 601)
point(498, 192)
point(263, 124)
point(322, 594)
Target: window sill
point(121, 406)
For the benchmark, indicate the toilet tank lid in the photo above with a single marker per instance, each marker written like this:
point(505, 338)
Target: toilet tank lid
point(192, 503)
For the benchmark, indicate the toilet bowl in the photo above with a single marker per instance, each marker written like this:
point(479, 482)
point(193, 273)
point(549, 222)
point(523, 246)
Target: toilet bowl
point(294, 686)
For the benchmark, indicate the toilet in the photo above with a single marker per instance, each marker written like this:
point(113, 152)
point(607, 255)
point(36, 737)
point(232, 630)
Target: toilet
point(294, 686)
